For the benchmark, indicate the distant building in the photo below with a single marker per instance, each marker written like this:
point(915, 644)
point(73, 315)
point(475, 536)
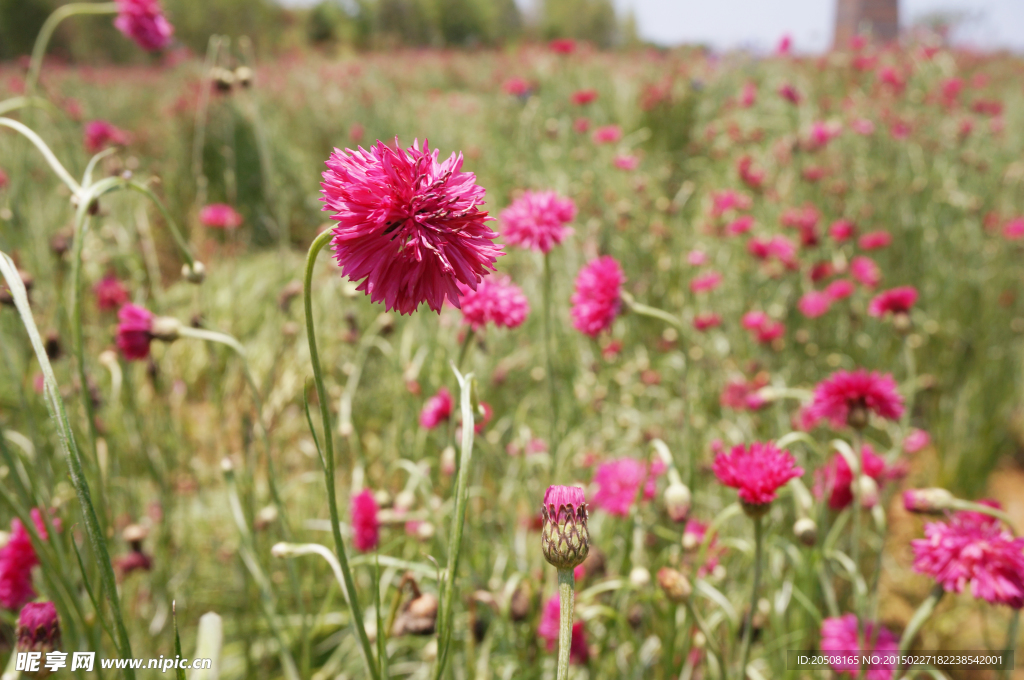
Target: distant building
point(879, 19)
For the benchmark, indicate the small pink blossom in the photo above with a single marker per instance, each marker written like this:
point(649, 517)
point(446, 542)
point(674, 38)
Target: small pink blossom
point(598, 296)
point(608, 134)
point(757, 471)
point(110, 293)
point(863, 126)
point(789, 93)
point(548, 631)
point(895, 301)
point(708, 320)
point(537, 220)
point(697, 258)
point(835, 479)
point(844, 390)
point(517, 87)
point(748, 95)
point(220, 216)
point(1014, 229)
point(726, 200)
point(496, 300)
point(626, 162)
point(842, 230)
point(874, 240)
point(17, 557)
point(144, 22)
point(437, 410)
point(365, 527)
point(814, 303)
point(705, 282)
point(840, 289)
point(100, 134)
point(865, 271)
point(740, 225)
point(619, 482)
point(916, 441)
point(134, 332)
point(583, 97)
point(843, 635)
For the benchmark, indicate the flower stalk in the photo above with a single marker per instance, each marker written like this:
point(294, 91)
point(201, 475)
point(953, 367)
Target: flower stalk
point(566, 600)
point(748, 630)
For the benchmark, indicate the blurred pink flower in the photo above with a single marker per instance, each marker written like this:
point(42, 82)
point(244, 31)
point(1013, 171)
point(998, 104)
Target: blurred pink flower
point(863, 126)
point(696, 258)
point(365, 527)
point(748, 95)
point(134, 331)
point(219, 216)
point(865, 271)
point(835, 396)
point(874, 240)
point(581, 125)
point(537, 220)
point(609, 134)
point(757, 471)
point(705, 282)
point(1014, 229)
point(898, 300)
point(110, 293)
point(789, 93)
point(741, 395)
point(583, 97)
point(562, 45)
point(973, 550)
point(840, 289)
point(835, 479)
point(726, 200)
point(143, 21)
point(842, 230)
point(843, 635)
point(619, 482)
point(814, 303)
point(548, 631)
point(740, 225)
point(703, 322)
point(597, 299)
point(100, 134)
point(916, 440)
point(626, 162)
point(751, 176)
point(517, 87)
point(437, 410)
point(408, 226)
point(785, 45)
point(17, 557)
point(496, 300)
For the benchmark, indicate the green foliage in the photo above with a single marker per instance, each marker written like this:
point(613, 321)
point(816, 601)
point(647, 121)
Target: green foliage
point(591, 20)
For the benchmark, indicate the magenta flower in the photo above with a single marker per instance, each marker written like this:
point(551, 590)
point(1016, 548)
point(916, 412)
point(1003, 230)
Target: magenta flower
point(916, 440)
point(517, 87)
point(38, 628)
point(740, 225)
point(764, 328)
point(143, 21)
point(840, 289)
point(1014, 229)
point(562, 45)
point(866, 271)
point(847, 393)
point(619, 482)
point(863, 126)
point(548, 631)
point(608, 134)
point(897, 301)
point(741, 395)
point(583, 97)
point(365, 527)
point(134, 333)
point(757, 471)
point(814, 303)
point(3, 179)
point(17, 558)
point(597, 299)
point(219, 216)
point(835, 479)
point(110, 293)
point(537, 220)
point(626, 161)
point(789, 93)
point(842, 230)
point(726, 200)
point(409, 227)
point(783, 250)
point(100, 133)
point(696, 258)
point(496, 300)
point(705, 282)
point(873, 240)
point(842, 634)
point(437, 410)
point(973, 550)
point(703, 322)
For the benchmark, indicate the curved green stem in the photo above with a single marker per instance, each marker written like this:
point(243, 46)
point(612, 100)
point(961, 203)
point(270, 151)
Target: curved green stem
point(1011, 639)
point(566, 597)
point(748, 630)
point(652, 312)
point(548, 354)
point(179, 240)
point(922, 614)
point(328, 443)
point(51, 159)
point(50, 25)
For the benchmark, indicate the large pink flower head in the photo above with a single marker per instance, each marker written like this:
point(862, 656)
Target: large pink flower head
point(110, 293)
point(17, 558)
point(548, 631)
point(100, 133)
point(835, 479)
point(847, 396)
point(496, 300)
point(365, 527)
point(976, 550)
point(134, 333)
point(842, 634)
point(144, 22)
point(219, 216)
point(437, 410)
point(619, 481)
point(757, 471)
point(409, 226)
point(597, 299)
point(537, 220)
point(897, 301)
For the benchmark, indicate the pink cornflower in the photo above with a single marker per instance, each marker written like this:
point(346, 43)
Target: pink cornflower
point(865, 271)
point(741, 395)
point(548, 631)
point(537, 219)
point(598, 296)
point(626, 162)
point(517, 87)
point(897, 301)
point(821, 271)
point(835, 479)
point(696, 258)
point(110, 293)
point(408, 226)
point(757, 471)
point(814, 303)
point(581, 125)
point(740, 225)
point(38, 628)
point(608, 134)
point(703, 322)
point(144, 22)
point(1014, 229)
point(751, 176)
point(824, 132)
point(900, 130)
point(618, 483)
point(134, 333)
point(783, 250)
point(705, 282)
point(219, 216)
point(437, 410)
point(365, 527)
point(562, 45)
point(17, 558)
point(974, 550)
point(785, 45)
point(840, 289)
point(789, 93)
point(916, 440)
point(852, 393)
point(726, 200)
point(496, 300)
point(804, 218)
point(842, 634)
point(763, 327)
point(874, 240)
point(100, 133)
point(748, 95)
point(583, 97)
point(863, 127)
point(842, 230)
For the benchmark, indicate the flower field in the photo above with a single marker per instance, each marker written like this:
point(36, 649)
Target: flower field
point(544, 362)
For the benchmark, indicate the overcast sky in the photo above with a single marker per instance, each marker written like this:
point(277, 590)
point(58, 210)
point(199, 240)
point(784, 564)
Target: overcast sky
point(726, 24)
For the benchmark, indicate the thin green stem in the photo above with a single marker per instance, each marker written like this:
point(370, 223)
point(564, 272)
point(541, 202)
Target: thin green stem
point(464, 350)
point(708, 640)
point(858, 442)
point(748, 630)
point(1011, 640)
point(566, 598)
point(179, 239)
point(923, 613)
point(50, 25)
point(328, 445)
point(51, 159)
point(652, 312)
point(549, 356)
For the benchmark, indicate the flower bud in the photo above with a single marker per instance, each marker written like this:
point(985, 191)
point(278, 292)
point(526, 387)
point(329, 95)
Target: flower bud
point(223, 79)
point(677, 501)
point(565, 539)
point(755, 510)
point(521, 602)
point(165, 328)
point(868, 489)
point(927, 501)
point(243, 76)
point(857, 416)
point(38, 628)
point(419, 617)
point(806, 531)
point(448, 460)
point(639, 577)
point(901, 322)
point(194, 274)
point(676, 586)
